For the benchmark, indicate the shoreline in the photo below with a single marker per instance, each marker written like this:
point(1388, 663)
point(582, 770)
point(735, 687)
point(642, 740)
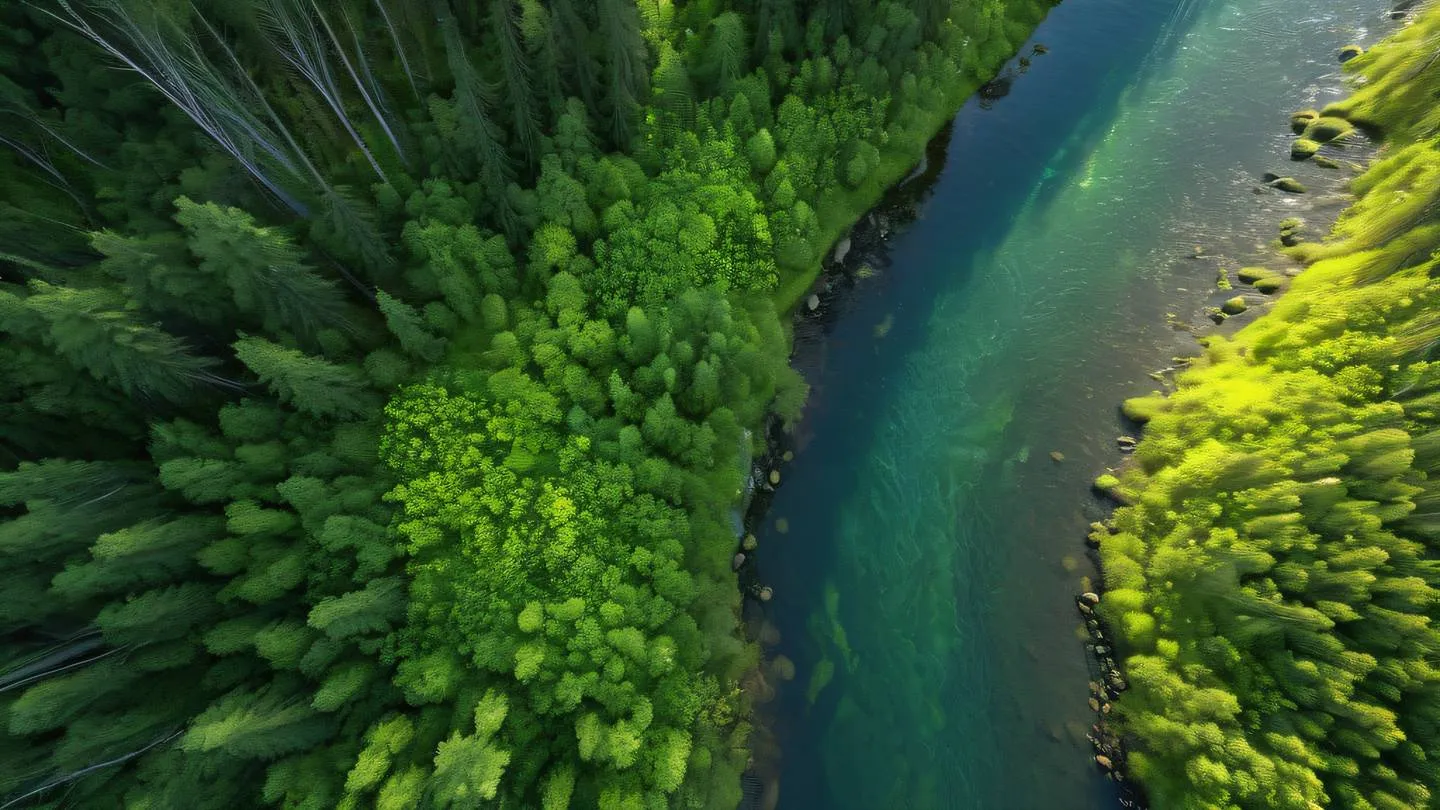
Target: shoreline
point(1259, 290)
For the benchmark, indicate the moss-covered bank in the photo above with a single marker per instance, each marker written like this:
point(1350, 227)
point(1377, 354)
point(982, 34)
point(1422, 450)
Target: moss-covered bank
point(1272, 577)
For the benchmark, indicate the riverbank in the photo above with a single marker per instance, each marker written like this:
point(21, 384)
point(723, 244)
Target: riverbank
point(1268, 577)
point(920, 545)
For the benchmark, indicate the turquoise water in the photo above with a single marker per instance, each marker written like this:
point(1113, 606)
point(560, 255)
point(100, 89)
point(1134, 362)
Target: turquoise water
point(924, 548)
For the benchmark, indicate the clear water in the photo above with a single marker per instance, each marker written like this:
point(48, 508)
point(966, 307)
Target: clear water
point(931, 546)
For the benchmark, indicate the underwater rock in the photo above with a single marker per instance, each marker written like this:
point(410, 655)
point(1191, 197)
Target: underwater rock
point(750, 543)
point(1234, 306)
point(788, 456)
point(1303, 148)
point(766, 594)
point(1327, 128)
point(1349, 52)
point(774, 477)
point(1039, 48)
point(1057, 456)
point(782, 525)
point(1092, 598)
point(737, 561)
point(813, 302)
point(1300, 120)
point(784, 668)
point(1325, 162)
point(1289, 185)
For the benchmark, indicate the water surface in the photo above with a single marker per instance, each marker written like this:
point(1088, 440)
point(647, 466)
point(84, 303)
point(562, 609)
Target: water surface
point(924, 547)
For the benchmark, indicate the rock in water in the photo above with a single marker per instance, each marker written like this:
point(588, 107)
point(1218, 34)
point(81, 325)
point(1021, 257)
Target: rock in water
point(1234, 306)
point(1303, 148)
point(1057, 456)
point(750, 543)
point(1092, 598)
point(1104, 762)
point(1094, 705)
point(1300, 120)
point(774, 477)
point(1288, 184)
point(737, 561)
point(813, 302)
point(766, 594)
point(1349, 52)
point(842, 249)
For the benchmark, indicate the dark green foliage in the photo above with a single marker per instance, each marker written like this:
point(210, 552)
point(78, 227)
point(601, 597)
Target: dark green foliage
point(548, 235)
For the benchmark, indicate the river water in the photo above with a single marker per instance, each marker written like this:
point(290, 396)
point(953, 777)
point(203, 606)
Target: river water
point(923, 546)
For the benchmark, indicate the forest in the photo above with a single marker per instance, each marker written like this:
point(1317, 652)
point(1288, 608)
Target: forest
point(377, 380)
point(1273, 575)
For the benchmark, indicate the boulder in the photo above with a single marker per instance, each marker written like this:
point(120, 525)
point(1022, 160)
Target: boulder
point(737, 561)
point(842, 249)
point(1300, 120)
point(1289, 185)
point(813, 302)
point(1349, 52)
point(766, 594)
point(1327, 128)
point(1104, 762)
point(1092, 598)
point(1234, 306)
point(1126, 441)
point(1303, 149)
point(1269, 284)
point(1249, 275)
point(774, 477)
point(1094, 705)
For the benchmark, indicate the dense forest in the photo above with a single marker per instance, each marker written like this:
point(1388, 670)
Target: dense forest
point(1274, 577)
point(378, 378)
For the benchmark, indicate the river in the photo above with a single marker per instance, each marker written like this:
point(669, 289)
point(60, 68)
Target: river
point(923, 546)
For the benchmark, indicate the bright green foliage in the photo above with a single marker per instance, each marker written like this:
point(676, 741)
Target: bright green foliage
point(1274, 583)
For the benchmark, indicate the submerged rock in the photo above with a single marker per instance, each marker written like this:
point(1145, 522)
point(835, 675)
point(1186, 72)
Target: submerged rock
point(1349, 52)
point(1303, 149)
point(784, 668)
point(1057, 456)
point(1325, 162)
point(1234, 306)
point(766, 594)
